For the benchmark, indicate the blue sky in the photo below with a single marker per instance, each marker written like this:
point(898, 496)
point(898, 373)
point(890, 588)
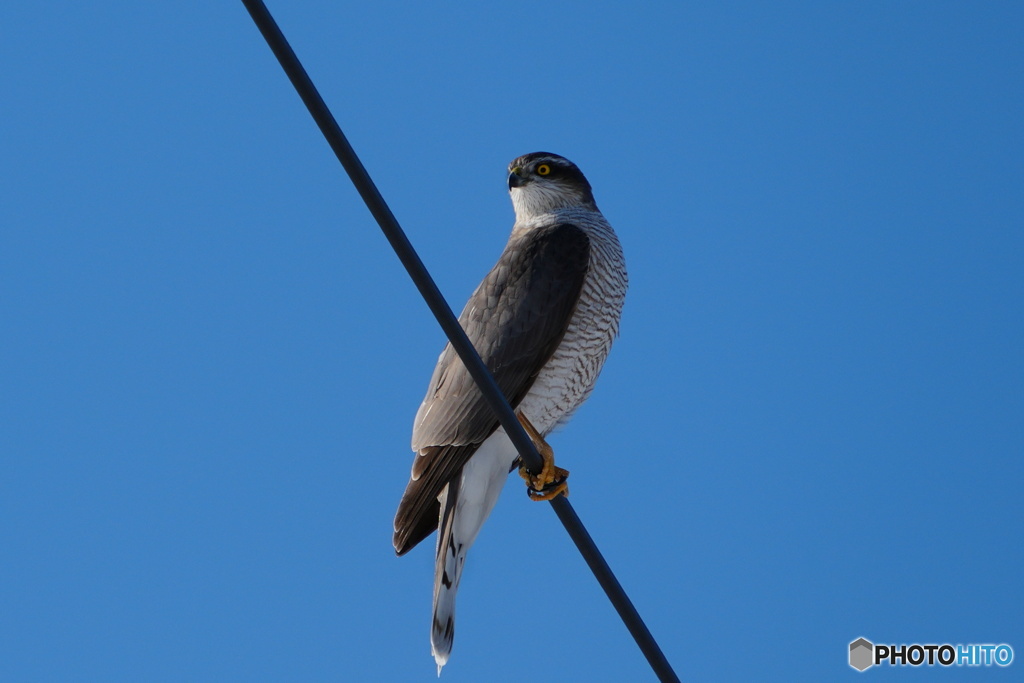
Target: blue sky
point(810, 430)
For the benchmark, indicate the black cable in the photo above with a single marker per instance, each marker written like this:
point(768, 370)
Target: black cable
point(456, 335)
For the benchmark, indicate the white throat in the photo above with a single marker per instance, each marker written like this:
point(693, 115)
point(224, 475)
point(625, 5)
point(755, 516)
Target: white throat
point(537, 199)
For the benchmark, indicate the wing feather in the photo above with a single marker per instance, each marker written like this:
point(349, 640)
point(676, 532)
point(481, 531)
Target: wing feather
point(516, 318)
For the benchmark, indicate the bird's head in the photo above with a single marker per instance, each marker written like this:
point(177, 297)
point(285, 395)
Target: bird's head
point(542, 182)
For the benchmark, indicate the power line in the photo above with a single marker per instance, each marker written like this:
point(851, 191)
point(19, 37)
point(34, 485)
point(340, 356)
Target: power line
point(456, 335)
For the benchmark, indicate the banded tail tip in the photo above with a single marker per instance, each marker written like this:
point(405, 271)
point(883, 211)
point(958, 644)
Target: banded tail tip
point(441, 659)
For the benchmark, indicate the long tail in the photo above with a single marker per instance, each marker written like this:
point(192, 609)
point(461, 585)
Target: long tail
point(466, 502)
point(451, 556)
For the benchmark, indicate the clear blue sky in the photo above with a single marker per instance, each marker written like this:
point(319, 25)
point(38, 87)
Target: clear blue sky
point(810, 430)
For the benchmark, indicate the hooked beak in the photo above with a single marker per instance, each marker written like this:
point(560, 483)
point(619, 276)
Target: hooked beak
point(514, 179)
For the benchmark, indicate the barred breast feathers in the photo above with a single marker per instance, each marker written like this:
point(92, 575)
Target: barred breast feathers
point(568, 378)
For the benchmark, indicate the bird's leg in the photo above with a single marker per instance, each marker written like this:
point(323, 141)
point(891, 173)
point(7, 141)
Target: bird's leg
point(552, 480)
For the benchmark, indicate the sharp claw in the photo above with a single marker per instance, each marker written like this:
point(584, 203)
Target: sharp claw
point(557, 486)
point(551, 480)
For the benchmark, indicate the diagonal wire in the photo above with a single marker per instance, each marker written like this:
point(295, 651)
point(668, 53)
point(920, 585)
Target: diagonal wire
point(456, 335)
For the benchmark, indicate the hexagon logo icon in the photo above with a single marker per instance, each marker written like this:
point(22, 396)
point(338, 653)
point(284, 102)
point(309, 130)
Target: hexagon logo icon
point(862, 654)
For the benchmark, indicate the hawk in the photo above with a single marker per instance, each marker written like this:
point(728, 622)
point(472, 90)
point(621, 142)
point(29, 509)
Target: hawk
point(543, 320)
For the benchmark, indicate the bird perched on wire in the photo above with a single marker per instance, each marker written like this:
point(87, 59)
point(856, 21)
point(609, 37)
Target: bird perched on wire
point(543, 321)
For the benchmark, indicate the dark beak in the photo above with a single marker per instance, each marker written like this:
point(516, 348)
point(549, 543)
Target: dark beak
point(515, 180)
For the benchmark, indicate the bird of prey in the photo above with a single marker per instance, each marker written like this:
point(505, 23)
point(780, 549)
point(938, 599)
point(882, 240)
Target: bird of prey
point(543, 320)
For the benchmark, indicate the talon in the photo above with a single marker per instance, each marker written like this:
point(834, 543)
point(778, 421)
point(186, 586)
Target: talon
point(551, 481)
point(557, 486)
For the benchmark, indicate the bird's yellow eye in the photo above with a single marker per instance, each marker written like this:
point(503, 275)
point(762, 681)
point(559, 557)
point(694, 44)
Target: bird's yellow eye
point(543, 169)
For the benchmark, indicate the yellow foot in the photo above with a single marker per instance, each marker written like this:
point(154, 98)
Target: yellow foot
point(551, 481)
